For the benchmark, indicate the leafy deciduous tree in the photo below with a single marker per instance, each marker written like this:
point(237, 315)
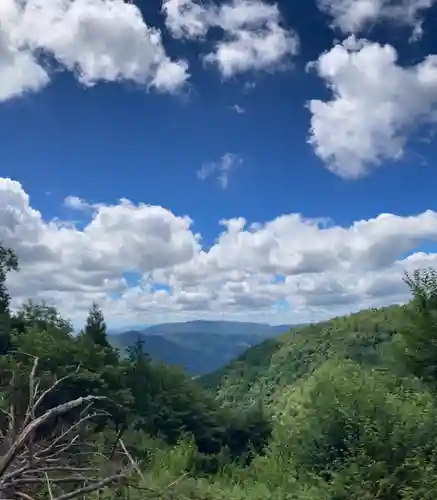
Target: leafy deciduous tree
point(420, 330)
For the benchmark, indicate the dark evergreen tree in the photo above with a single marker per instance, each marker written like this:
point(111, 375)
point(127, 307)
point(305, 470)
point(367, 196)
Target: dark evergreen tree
point(8, 262)
point(136, 352)
point(95, 328)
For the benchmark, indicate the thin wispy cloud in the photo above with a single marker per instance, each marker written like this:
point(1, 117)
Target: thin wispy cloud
point(220, 170)
point(238, 109)
point(249, 86)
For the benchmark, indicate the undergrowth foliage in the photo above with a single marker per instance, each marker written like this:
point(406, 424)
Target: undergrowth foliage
point(340, 410)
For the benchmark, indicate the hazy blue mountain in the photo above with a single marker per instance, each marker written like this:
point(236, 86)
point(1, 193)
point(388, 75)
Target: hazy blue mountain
point(217, 327)
point(199, 346)
point(161, 349)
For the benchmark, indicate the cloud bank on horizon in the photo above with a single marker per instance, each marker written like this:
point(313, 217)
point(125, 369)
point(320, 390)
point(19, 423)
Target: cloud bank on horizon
point(299, 268)
point(315, 266)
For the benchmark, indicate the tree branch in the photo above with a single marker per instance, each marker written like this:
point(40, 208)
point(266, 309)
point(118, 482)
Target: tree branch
point(33, 425)
point(92, 487)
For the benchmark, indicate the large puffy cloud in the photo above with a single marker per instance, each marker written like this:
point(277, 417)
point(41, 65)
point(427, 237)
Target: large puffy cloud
point(375, 105)
point(352, 16)
point(143, 263)
point(98, 40)
point(253, 36)
point(57, 259)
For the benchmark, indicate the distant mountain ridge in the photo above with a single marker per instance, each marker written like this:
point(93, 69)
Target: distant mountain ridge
point(199, 346)
point(217, 327)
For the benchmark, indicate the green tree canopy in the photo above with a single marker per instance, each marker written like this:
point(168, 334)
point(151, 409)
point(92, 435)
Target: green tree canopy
point(8, 263)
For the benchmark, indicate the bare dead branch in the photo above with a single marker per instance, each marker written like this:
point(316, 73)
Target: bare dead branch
point(8, 478)
point(11, 432)
point(116, 442)
point(32, 390)
point(60, 450)
point(29, 463)
point(52, 412)
point(30, 412)
point(176, 481)
point(92, 487)
point(132, 461)
point(49, 488)
point(43, 480)
point(86, 410)
point(53, 387)
point(24, 496)
point(70, 429)
point(64, 469)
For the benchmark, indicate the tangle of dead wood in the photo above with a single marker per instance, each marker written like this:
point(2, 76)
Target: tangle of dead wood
point(29, 462)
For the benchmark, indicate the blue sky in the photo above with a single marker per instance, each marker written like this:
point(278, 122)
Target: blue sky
point(89, 134)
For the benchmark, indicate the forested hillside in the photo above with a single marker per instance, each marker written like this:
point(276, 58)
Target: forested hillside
point(264, 369)
point(343, 410)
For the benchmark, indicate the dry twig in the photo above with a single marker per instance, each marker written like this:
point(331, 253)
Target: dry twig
point(28, 462)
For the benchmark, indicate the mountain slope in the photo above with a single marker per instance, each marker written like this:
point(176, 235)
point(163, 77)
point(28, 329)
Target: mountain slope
point(162, 349)
point(250, 365)
point(264, 370)
point(199, 347)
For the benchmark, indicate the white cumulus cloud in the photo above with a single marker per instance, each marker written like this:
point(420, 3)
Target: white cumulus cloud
point(376, 103)
point(97, 40)
point(253, 36)
point(76, 203)
point(250, 272)
point(353, 16)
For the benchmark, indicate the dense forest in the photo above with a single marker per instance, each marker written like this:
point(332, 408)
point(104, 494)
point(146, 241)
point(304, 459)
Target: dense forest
point(341, 410)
